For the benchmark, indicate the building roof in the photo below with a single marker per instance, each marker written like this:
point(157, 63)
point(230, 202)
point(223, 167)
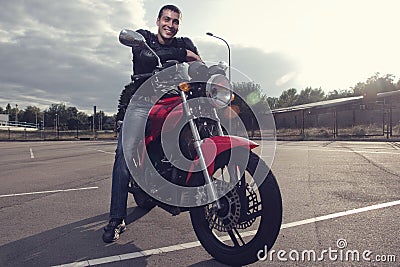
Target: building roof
point(388, 94)
point(333, 102)
point(320, 104)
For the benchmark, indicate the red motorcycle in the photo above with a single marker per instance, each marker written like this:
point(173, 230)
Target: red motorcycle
point(188, 162)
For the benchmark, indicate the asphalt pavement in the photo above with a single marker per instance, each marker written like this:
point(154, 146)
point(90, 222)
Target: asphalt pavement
point(340, 200)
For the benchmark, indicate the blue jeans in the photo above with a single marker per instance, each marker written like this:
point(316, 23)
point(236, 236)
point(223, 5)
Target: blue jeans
point(138, 112)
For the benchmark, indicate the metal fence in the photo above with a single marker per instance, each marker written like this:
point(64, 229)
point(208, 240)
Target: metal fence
point(10, 124)
point(351, 118)
point(21, 134)
point(378, 120)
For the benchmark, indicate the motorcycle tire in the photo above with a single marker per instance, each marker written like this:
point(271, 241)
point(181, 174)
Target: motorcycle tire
point(143, 200)
point(221, 244)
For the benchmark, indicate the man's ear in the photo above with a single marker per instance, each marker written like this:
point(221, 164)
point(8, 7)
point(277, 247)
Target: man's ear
point(158, 22)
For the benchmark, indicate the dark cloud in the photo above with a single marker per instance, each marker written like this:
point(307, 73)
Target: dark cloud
point(53, 52)
point(68, 51)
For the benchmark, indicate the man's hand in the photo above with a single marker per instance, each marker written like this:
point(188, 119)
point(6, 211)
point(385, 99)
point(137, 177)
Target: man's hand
point(190, 56)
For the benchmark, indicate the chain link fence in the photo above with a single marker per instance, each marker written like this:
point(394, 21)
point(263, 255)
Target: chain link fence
point(22, 134)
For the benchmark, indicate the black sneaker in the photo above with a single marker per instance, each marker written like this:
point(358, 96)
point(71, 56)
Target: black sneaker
point(113, 229)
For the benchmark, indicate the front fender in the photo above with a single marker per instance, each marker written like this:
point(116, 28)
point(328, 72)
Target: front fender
point(216, 145)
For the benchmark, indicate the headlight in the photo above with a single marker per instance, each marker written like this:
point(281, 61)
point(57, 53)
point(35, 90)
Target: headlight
point(219, 90)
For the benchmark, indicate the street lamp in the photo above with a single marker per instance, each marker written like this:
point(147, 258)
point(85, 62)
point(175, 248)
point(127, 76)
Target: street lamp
point(229, 51)
point(55, 122)
point(229, 66)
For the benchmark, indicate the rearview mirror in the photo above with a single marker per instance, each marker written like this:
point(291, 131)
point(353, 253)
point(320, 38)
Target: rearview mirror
point(134, 39)
point(131, 38)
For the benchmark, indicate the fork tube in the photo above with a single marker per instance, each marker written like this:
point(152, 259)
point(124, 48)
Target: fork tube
point(197, 145)
point(220, 132)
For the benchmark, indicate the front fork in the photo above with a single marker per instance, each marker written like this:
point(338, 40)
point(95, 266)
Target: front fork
point(197, 145)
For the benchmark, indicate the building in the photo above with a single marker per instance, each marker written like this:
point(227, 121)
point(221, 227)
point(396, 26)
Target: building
point(350, 116)
point(4, 119)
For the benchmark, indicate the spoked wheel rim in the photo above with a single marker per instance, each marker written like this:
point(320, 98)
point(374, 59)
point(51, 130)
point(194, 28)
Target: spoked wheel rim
point(232, 239)
point(228, 225)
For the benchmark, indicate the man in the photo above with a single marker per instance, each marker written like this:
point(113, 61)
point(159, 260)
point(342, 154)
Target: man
point(167, 47)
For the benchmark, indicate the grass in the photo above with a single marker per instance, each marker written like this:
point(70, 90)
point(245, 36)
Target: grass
point(367, 132)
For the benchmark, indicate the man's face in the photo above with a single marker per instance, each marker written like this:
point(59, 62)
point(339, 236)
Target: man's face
point(168, 26)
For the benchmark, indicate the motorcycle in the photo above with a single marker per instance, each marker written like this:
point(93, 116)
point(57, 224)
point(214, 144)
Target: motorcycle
point(188, 163)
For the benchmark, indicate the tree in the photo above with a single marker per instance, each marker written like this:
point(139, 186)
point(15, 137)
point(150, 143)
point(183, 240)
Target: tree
point(72, 118)
point(288, 98)
point(82, 118)
point(309, 95)
point(8, 108)
point(272, 102)
point(374, 85)
point(249, 96)
point(31, 114)
point(13, 113)
point(335, 94)
point(56, 115)
point(109, 122)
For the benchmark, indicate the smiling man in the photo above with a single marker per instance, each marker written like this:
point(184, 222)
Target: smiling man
point(167, 47)
point(168, 22)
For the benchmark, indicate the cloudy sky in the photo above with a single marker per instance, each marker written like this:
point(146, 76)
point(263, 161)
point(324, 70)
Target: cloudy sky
point(68, 51)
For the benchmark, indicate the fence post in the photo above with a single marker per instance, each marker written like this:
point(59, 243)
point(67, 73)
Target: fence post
point(335, 123)
point(302, 124)
point(390, 120)
point(383, 119)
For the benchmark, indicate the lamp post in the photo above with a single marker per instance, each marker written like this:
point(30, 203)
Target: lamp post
point(229, 66)
point(16, 115)
point(57, 126)
point(44, 114)
point(229, 51)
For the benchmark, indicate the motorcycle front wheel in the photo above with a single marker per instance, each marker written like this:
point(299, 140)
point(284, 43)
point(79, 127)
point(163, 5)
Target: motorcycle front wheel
point(142, 199)
point(251, 214)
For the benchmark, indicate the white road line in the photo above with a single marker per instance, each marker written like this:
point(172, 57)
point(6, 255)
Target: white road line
point(31, 151)
point(145, 253)
point(340, 150)
point(106, 152)
point(395, 145)
point(49, 192)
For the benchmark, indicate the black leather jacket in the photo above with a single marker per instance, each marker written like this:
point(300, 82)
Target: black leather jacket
point(145, 62)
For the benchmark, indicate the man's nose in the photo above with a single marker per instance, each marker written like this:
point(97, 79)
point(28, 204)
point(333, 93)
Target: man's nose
point(169, 24)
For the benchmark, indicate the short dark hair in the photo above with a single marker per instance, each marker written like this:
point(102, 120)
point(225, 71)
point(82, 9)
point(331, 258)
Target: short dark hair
point(169, 7)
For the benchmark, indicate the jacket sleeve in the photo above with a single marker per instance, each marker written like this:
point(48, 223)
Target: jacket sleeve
point(178, 53)
point(145, 34)
point(190, 45)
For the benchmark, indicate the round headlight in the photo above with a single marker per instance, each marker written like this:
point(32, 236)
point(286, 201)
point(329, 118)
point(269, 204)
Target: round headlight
point(219, 90)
